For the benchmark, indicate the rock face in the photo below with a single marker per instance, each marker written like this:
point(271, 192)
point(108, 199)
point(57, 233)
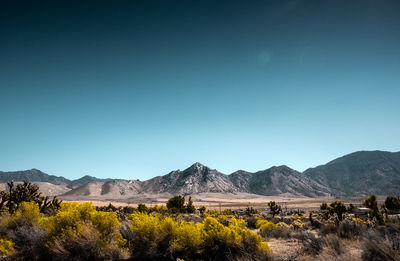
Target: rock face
point(360, 173)
point(195, 179)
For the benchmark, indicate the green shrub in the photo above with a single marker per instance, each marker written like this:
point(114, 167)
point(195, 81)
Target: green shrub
point(251, 211)
point(252, 222)
point(212, 212)
point(142, 208)
point(176, 204)
point(229, 212)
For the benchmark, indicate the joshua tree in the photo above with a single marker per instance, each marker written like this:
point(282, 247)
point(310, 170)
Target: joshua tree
point(371, 203)
point(189, 206)
point(339, 208)
point(392, 203)
point(274, 208)
point(26, 192)
point(4, 196)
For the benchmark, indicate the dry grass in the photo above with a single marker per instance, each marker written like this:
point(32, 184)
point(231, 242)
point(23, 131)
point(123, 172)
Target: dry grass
point(285, 249)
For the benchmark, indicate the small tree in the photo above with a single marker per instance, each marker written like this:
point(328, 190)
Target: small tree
point(371, 203)
point(27, 192)
point(189, 206)
point(142, 208)
point(176, 204)
point(202, 209)
point(392, 203)
point(351, 208)
point(274, 208)
point(324, 206)
point(339, 208)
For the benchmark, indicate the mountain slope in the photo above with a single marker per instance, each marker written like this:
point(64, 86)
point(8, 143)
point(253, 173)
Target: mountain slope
point(110, 189)
point(198, 178)
point(278, 181)
point(360, 173)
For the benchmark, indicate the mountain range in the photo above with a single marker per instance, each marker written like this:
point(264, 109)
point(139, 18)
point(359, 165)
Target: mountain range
point(356, 174)
point(35, 175)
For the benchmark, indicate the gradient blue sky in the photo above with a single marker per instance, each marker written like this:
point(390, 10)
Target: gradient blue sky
point(135, 89)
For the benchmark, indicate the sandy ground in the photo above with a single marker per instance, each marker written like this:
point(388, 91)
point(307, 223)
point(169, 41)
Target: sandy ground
point(237, 201)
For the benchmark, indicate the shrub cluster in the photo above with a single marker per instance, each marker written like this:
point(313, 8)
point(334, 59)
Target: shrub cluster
point(177, 205)
point(77, 231)
point(270, 229)
point(168, 238)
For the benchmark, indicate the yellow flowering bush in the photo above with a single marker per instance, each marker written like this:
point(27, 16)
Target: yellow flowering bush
point(270, 229)
point(212, 212)
point(154, 237)
point(298, 224)
point(265, 226)
point(28, 213)
point(188, 237)
point(78, 231)
point(6, 246)
point(78, 226)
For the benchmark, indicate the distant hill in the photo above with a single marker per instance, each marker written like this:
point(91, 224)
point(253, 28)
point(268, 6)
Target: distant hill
point(279, 180)
point(35, 175)
point(357, 174)
point(360, 173)
point(115, 189)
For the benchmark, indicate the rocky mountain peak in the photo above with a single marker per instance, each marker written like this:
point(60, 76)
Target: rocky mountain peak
point(196, 168)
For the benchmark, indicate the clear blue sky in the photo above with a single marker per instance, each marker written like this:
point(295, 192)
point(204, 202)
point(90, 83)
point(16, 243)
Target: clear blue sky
point(133, 89)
